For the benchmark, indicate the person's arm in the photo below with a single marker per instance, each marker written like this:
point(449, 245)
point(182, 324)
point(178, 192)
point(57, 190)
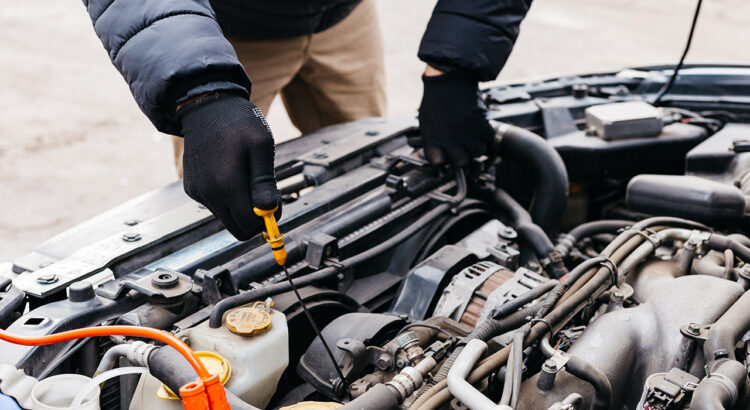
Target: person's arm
point(185, 76)
point(466, 41)
point(167, 51)
point(473, 36)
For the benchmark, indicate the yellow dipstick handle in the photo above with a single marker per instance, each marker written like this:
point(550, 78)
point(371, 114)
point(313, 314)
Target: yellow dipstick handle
point(272, 234)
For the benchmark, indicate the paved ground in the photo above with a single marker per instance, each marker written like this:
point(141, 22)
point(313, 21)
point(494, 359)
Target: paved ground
point(73, 143)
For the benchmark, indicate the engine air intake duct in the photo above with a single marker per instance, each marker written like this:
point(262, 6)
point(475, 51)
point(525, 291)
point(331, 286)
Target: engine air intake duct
point(687, 197)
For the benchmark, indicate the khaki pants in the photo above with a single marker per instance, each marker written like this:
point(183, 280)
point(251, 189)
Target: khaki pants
point(324, 78)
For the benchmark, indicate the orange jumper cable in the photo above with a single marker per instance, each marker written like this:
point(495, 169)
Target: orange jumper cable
point(203, 394)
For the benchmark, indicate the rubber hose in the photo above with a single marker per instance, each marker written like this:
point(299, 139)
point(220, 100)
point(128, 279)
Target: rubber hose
point(439, 394)
point(523, 223)
point(557, 292)
point(517, 365)
point(521, 301)
point(712, 264)
point(547, 169)
point(530, 232)
point(379, 397)
point(217, 313)
point(170, 368)
point(587, 372)
point(720, 243)
point(484, 332)
point(722, 389)
point(731, 326)
point(589, 229)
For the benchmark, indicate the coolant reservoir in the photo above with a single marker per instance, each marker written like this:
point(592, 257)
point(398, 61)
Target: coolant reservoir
point(257, 350)
point(57, 393)
point(257, 356)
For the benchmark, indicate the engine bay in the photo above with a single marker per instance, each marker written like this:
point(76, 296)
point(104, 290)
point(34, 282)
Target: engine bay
point(597, 258)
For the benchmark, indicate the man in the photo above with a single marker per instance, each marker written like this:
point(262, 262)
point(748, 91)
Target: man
point(323, 56)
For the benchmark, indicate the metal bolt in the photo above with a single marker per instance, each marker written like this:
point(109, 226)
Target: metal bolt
point(507, 233)
point(384, 362)
point(131, 222)
point(165, 280)
point(580, 91)
point(47, 279)
point(618, 296)
point(694, 329)
point(371, 133)
point(131, 237)
point(549, 366)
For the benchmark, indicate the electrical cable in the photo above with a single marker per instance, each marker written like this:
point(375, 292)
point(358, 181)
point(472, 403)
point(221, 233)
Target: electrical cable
point(677, 68)
point(134, 331)
point(314, 325)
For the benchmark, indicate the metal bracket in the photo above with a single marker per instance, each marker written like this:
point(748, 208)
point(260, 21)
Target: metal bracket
point(360, 356)
point(161, 285)
point(213, 283)
point(100, 255)
point(560, 359)
point(695, 331)
point(320, 246)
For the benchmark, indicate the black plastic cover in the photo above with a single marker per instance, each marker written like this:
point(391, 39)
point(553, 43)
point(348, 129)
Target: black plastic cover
point(592, 159)
point(688, 197)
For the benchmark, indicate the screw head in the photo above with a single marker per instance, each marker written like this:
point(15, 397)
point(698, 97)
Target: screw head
point(694, 329)
point(131, 237)
point(47, 279)
point(131, 222)
point(618, 296)
point(320, 155)
point(371, 133)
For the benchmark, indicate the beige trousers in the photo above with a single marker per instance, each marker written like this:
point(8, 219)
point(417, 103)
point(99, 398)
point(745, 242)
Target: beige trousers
point(325, 78)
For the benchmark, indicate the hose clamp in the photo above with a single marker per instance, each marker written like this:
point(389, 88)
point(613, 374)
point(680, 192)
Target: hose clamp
point(650, 236)
point(544, 321)
point(726, 382)
point(612, 267)
point(139, 353)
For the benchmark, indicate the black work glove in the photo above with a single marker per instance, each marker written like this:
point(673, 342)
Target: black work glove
point(452, 120)
point(228, 163)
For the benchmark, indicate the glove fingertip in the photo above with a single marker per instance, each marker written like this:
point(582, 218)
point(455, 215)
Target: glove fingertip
point(435, 155)
point(265, 197)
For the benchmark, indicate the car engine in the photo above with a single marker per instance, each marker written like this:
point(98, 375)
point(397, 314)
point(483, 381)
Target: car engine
point(596, 258)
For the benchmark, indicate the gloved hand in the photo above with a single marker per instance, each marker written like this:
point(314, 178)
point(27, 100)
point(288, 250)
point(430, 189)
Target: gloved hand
point(452, 119)
point(229, 160)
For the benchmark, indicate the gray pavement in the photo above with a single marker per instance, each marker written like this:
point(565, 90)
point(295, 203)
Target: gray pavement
point(73, 143)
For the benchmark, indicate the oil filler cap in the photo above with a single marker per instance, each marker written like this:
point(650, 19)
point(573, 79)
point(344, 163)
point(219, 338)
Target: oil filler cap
point(249, 320)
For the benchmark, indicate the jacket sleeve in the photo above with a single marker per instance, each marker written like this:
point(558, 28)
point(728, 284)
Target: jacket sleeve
point(475, 36)
point(167, 51)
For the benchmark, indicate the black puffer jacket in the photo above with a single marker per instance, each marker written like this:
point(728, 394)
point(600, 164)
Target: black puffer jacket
point(169, 51)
